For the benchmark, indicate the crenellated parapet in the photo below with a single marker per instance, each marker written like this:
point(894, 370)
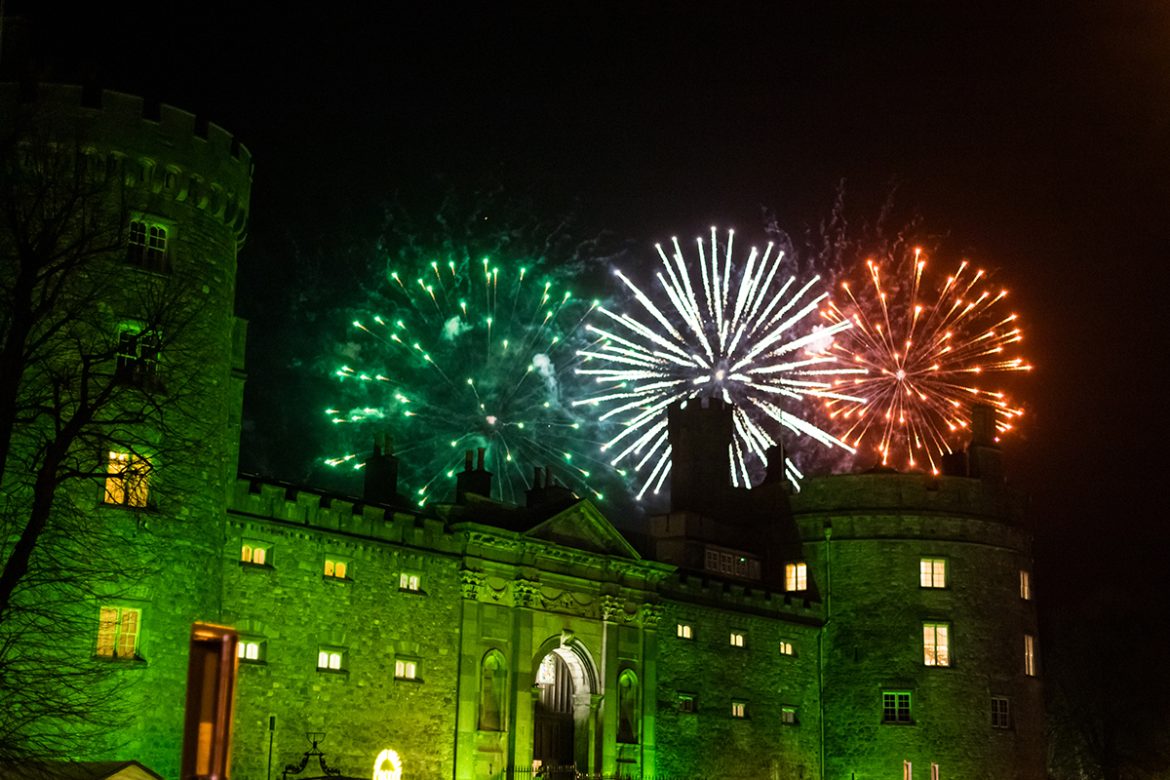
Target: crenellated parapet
point(163, 154)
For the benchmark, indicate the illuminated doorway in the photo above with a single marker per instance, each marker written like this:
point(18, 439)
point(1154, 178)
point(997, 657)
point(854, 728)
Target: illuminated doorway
point(553, 742)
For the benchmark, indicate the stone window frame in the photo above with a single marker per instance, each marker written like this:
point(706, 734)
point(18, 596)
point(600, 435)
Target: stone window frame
point(928, 574)
point(937, 644)
point(410, 581)
point(248, 550)
point(738, 638)
point(787, 648)
point(740, 709)
point(893, 711)
point(138, 355)
point(127, 486)
point(407, 669)
point(1001, 712)
point(337, 568)
point(685, 631)
point(149, 243)
point(688, 703)
point(112, 633)
point(327, 653)
point(788, 715)
point(244, 647)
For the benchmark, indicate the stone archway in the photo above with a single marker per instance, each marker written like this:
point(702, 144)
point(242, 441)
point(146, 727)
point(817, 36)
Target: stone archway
point(563, 713)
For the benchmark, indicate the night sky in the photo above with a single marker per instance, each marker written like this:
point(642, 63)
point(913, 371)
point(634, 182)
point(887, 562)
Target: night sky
point(1036, 138)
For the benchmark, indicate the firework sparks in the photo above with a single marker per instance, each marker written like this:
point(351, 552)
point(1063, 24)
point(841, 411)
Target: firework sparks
point(738, 330)
point(471, 357)
point(920, 360)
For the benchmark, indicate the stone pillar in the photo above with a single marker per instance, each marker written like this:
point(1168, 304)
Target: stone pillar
point(610, 609)
point(651, 616)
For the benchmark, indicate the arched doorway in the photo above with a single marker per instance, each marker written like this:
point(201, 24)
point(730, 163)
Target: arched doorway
point(553, 744)
point(566, 681)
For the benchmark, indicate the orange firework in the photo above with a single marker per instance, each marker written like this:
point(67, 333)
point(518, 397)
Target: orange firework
point(919, 361)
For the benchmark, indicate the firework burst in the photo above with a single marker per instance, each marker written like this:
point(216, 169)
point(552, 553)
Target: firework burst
point(468, 355)
point(920, 353)
point(740, 330)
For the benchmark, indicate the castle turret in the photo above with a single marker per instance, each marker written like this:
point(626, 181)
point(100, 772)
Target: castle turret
point(700, 433)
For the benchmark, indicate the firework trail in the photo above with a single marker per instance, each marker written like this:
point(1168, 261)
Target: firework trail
point(744, 330)
point(460, 351)
point(920, 351)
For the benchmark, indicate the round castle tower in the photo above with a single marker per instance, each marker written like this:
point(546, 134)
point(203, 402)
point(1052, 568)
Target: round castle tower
point(929, 652)
point(180, 189)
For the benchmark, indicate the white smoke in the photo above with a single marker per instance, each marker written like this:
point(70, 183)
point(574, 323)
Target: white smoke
point(454, 328)
point(545, 368)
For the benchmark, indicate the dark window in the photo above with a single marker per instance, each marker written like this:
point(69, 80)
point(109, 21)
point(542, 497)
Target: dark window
point(1001, 713)
point(896, 707)
point(147, 246)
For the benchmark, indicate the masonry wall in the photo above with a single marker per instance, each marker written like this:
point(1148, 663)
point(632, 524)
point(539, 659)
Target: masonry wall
point(868, 567)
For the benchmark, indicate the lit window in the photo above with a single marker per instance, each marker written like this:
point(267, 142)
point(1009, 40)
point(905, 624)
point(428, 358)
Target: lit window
point(737, 639)
point(796, 576)
point(127, 478)
point(336, 568)
point(907, 771)
point(1025, 585)
point(118, 632)
point(251, 650)
point(405, 670)
point(933, 573)
point(685, 631)
point(687, 703)
point(936, 649)
point(788, 716)
point(934, 771)
point(786, 648)
point(1001, 712)
point(739, 709)
point(255, 553)
point(896, 707)
point(137, 354)
point(147, 245)
point(331, 659)
point(1029, 655)
point(411, 582)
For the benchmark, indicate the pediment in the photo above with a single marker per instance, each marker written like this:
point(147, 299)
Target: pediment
point(582, 526)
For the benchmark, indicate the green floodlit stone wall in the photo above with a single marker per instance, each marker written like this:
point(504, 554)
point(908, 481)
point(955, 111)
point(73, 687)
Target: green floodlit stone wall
point(881, 528)
point(709, 742)
point(198, 181)
point(295, 609)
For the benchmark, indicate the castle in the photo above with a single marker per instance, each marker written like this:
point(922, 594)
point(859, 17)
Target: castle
point(872, 625)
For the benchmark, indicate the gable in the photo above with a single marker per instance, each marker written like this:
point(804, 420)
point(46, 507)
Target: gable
point(583, 527)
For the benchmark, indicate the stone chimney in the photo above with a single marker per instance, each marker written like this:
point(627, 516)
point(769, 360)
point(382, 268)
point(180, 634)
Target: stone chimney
point(381, 473)
point(475, 480)
point(984, 458)
point(546, 490)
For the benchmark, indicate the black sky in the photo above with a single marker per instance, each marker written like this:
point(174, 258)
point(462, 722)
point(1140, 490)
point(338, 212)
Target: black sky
point(1037, 136)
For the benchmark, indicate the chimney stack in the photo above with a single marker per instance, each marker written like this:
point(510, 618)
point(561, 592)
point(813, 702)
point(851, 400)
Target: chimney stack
point(381, 473)
point(477, 480)
point(984, 458)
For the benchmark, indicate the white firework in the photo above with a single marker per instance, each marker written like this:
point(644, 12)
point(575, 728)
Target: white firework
point(744, 332)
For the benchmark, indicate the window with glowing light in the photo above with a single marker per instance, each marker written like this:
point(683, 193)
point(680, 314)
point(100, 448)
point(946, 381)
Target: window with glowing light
point(786, 648)
point(1025, 585)
point(739, 709)
point(1001, 712)
point(896, 707)
point(907, 770)
point(337, 568)
point(936, 648)
point(127, 479)
point(934, 772)
point(1030, 655)
point(410, 581)
point(932, 573)
point(406, 669)
point(796, 577)
point(147, 245)
point(252, 650)
point(684, 631)
point(331, 659)
point(256, 553)
point(118, 629)
point(738, 639)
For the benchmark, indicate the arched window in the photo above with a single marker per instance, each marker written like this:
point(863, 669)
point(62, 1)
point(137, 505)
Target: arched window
point(493, 691)
point(627, 707)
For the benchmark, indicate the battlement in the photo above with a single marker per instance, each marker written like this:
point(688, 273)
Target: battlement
point(288, 505)
point(906, 492)
point(717, 593)
point(164, 151)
